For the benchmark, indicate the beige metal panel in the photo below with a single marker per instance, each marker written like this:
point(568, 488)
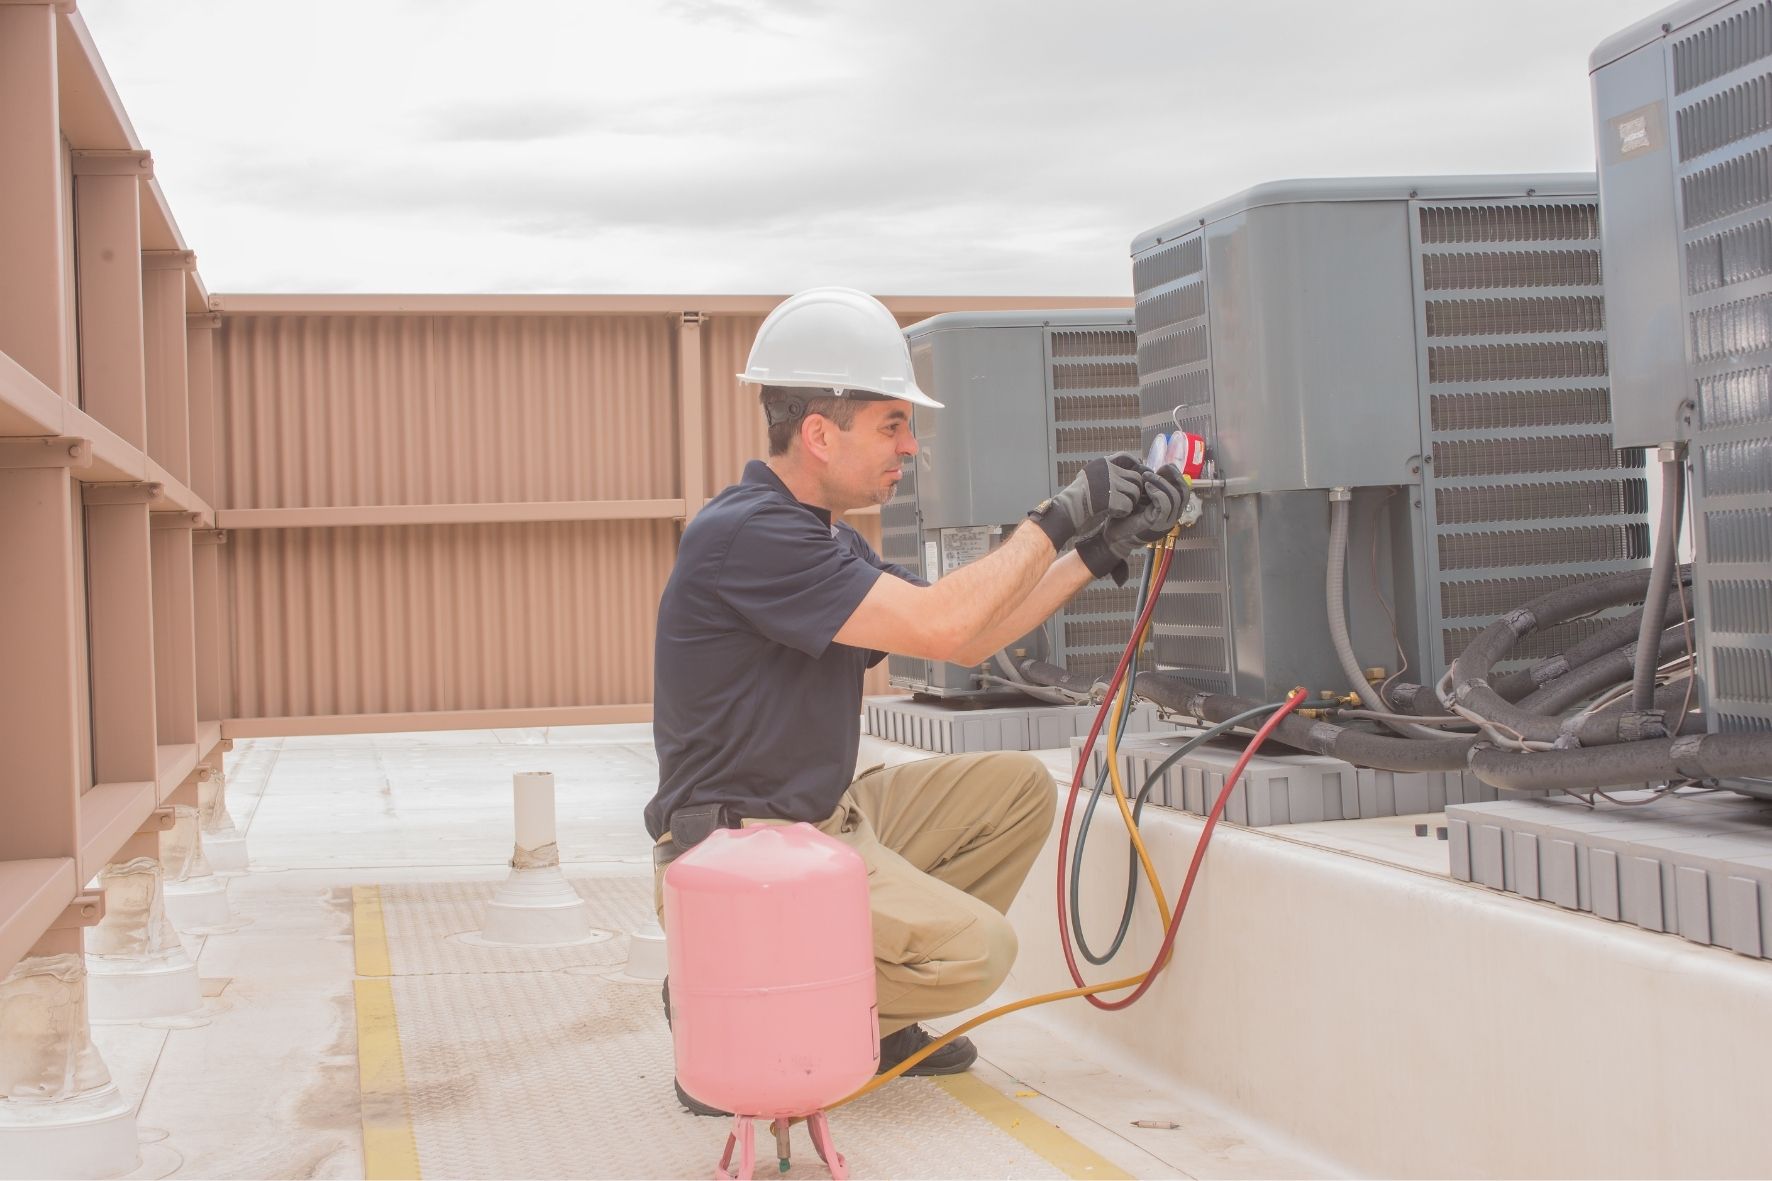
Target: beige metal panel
point(42, 619)
point(121, 634)
point(163, 353)
point(209, 596)
point(70, 314)
point(403, 619)
point(334, 411)
point(82, 614)
point(200, 332)
point(107, 222)
point(33, 279)
point(174, 612)
point(733, 422)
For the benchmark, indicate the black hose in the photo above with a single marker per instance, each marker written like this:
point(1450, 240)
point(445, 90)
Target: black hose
point(1695, 756)
point(1423, 699)
point(1363, 749)
point(1667, 546)
point(1512, 686)
point(1619, 722)
point(1598, 675)
point(1470, 688)
point(1494, 642)
point(1042, 672)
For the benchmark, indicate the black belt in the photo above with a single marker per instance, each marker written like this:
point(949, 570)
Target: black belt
point(689, 827)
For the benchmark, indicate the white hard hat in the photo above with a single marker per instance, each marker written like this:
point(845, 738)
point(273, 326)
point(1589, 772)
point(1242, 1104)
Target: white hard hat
point(837, 338)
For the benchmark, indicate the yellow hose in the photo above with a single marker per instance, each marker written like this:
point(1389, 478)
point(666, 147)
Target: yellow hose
point(1150, 872)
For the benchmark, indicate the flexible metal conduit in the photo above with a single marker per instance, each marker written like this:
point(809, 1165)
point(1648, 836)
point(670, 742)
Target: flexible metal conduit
point(1667, 545)
point(1335, 591)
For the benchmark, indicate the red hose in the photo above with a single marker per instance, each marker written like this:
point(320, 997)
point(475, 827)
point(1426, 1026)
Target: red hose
point(1187, 887)
point(1070, 808)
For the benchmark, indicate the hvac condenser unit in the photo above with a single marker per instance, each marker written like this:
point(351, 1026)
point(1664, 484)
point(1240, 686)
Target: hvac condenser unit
point(1029, 397)
point(1437, 347)
point(1683, 121)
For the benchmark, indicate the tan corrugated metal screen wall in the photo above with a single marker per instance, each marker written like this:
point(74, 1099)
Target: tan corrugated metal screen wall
point(433, 519)
point(326, 411)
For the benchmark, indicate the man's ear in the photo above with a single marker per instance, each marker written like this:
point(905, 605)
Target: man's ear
point(815, 436)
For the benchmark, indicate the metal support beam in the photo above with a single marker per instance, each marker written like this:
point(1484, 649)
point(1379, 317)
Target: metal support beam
point(107, 494)
point(448, 514)
point(175, 520)
point(691, 415)
point(45, 451)
point(85, 911)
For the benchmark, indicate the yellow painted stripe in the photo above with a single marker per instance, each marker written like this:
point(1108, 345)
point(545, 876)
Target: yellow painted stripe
point(1064, 1152)
point(390, 1151)
point(369, 933)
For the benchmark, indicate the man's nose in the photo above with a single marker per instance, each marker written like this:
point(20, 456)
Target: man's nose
point(910, 445)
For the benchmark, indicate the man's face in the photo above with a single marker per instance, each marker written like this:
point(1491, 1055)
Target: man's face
point(867, 460)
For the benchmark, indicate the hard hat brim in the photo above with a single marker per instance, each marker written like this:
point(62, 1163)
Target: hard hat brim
point(910, 393)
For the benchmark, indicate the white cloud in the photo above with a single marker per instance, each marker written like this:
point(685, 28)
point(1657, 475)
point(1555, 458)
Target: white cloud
point(716, 146)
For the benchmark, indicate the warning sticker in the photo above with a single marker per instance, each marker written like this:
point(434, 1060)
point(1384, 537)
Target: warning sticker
point(965, 545)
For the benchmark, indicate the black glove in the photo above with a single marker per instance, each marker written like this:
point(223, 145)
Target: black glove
point(1105, 550)
point(1110, 485)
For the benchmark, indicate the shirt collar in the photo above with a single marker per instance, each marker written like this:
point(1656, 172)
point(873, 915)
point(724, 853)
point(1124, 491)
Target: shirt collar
point(760, 473)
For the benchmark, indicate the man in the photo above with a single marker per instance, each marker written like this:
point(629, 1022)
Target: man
point(774, 612)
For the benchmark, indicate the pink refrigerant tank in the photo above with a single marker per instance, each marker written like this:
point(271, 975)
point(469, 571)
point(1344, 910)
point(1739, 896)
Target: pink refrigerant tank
point(771, 950)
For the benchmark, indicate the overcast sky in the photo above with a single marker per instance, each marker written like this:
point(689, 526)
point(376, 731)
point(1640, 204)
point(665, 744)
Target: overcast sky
point(708, 146)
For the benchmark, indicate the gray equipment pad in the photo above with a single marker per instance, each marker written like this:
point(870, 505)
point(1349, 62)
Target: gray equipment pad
point(949, 731)
point(1699, 866)
point(1283, 789)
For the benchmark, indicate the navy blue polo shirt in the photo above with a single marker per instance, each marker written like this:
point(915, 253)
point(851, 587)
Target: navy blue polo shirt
point(754, 704)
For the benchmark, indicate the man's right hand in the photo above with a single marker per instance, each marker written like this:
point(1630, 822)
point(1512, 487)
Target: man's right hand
point(1104, 550)
point(1109, 487)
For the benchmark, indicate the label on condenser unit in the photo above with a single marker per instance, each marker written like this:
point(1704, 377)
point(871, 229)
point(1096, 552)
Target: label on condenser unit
point(1636, 131)
point(931, 560)
point(965, 545)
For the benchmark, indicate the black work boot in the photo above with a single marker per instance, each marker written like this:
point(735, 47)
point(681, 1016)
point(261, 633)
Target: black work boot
point(693, 1105)
point(954, 1058)
point(690, 1103)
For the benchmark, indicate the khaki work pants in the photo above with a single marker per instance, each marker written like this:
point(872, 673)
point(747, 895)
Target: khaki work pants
point(947, 842)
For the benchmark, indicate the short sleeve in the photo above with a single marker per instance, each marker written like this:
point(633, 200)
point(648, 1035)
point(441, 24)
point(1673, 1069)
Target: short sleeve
point(794, 581)
point(860, 545)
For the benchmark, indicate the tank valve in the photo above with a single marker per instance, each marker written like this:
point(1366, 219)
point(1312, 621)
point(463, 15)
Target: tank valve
point(783, 1145)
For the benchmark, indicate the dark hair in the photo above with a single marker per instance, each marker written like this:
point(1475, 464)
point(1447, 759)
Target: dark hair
point(785, 406)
